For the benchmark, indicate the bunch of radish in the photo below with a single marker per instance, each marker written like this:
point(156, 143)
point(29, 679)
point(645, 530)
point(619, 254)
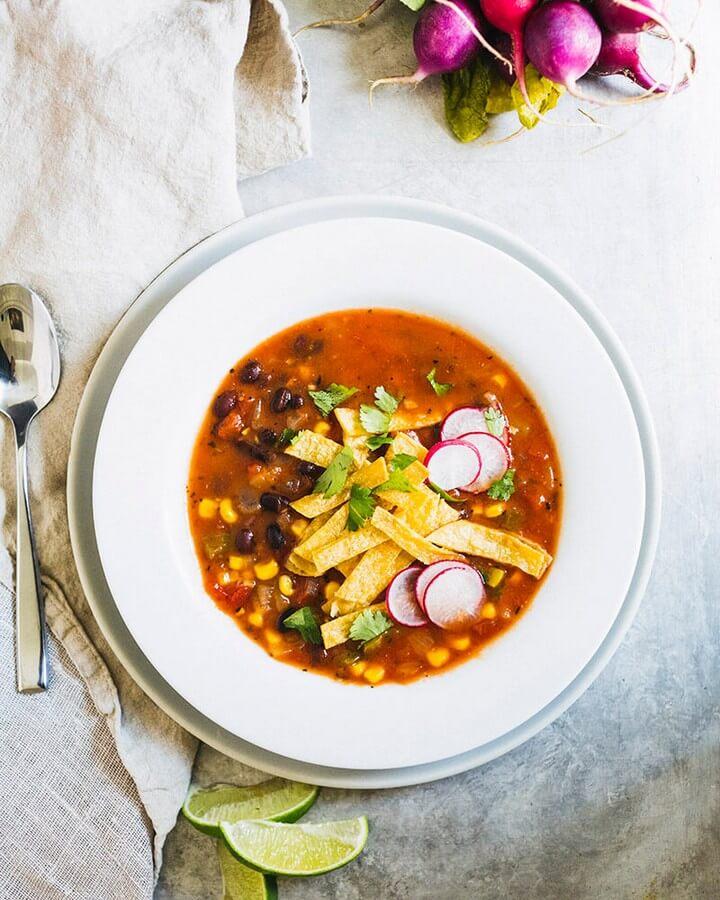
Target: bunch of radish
point(563, 40)
point(449, 594)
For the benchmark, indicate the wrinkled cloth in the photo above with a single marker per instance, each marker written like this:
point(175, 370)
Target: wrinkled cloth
point(124, 129)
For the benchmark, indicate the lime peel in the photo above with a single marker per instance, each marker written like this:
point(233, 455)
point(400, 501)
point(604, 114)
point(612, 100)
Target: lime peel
point(242, 883)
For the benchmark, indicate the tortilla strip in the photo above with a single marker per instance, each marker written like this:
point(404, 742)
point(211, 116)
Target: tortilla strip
point(337, 631)
point(346, 547)
point(316, 524)
point(402, 420)
point(407, 538)
point(314, 448)
point(315, 504)
point(371, 576)
point(403, 443)
point(495, 544)
point(299, 566)
point(332, 528)
point(415, 473)
point(346, 568)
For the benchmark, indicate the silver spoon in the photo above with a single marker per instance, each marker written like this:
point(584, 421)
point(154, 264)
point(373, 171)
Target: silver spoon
point(29, 376)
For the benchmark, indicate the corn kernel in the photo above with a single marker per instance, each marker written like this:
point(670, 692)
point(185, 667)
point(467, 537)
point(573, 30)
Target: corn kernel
point(321, 427)
point(272, 637)
point(256, 619)
point(227, 511)
point(494, 577)
point(493, 510)
point(358, 667)
point(461, 642)
point(488, 611)
point(227, 577)
point(245, 432)
point(207, 509)
point(409, 404)
point(438, 656)
point(298, 527)
point(286, 585)
point(374, 674)
point(238, 562)
point(499, 379)
point(267, 570)
point(330, 589)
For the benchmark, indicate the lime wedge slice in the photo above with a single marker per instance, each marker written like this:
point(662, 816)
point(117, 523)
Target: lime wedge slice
point(241, 883)
point(296, 849)
point(277, 800)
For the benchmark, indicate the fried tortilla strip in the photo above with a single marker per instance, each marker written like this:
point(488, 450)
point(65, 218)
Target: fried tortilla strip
point(346, 547)
point(402, 420)
point(338, 630)
point(315, 504)
point(331, 529)
point(316, 524)
point(358, 442)
point(492, 543)
point(346, 568)
point(403, 443)
point(314, 448)
point(299, 566)
point(370, 577)
point(407, 538)
point(415, 473)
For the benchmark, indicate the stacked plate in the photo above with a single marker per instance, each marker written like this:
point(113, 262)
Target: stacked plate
point(135, 431)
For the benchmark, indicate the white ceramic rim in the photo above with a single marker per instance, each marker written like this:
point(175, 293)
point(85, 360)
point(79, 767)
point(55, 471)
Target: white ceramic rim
point(273, 221)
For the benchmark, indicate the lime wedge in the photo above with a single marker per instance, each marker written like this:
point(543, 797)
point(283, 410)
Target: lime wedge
point(277, 800)
point(241, 883)
point(296, 849)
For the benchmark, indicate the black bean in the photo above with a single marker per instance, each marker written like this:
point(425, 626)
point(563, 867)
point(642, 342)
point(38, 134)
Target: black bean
point(250, 372)
point(267, 436)
point(310, 470)
point(273, 502)
point(303, 346)
point(256, 451)
point(275, 537)
point(225, 403)
point(296, 401)
point(280, 400)
point(245, 540)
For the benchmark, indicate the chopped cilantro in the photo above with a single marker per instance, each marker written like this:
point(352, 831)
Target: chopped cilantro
point(444, 494)
point(401, 461)
point(376, 419)
point(361, 506)
point(398, 481)
point(495, 421)
point(333, 395)
point(503, 488)
point(333, 479)
point(438, 386)
point(288, 436)
point(369, 625)
point(304, 621)
point(376, 441)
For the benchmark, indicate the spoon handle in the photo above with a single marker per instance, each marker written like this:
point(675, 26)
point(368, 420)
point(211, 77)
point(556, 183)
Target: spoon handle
point(32, 670)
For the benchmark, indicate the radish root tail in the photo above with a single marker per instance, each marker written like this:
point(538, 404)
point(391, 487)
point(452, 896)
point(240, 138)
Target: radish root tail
point(331, 23)
point(413, 79)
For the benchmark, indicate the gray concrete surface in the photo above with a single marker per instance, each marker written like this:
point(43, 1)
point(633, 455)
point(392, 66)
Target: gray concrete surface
point(620, 798)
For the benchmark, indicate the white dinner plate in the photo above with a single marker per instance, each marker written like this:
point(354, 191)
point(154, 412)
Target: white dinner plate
point(155, 409)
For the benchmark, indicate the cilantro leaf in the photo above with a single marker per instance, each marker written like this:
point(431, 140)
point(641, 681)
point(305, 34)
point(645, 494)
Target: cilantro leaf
point(333, 479)
point(385, 401)
point(444, 494)
point(503, 488)
point(333, 395)
point(495, 421)
point(374, 420)
point(369, 624)
point(439, 387)
point(361, 506)
point(287, 436)
point(376, 441)
point(304, 621)
point(398, 481)
point(401, 461)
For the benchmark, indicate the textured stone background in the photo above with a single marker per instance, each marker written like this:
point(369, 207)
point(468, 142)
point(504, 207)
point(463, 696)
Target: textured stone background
point(620, 798)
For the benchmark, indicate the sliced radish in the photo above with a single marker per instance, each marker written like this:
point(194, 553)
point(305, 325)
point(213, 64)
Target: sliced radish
point(427, 575)
point(495, 458)
point(469, 420)
point(454, 597)
point(451, 464)
point(400, 598)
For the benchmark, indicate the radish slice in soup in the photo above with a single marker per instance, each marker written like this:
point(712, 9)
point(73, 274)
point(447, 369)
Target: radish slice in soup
point(470, 420)
point(495, 458)
point(454, 597)
point(400, 599)
point(427, 575)
point(451, 464)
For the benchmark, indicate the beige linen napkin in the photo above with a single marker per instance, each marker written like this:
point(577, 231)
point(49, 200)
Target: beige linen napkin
point(124, 128)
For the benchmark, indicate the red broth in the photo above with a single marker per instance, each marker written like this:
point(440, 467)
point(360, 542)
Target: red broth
point(242, 543)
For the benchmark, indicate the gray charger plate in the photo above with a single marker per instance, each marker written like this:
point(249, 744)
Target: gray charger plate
point(92, 407)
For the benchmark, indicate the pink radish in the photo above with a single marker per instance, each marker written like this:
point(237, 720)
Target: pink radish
point(427, 575)
point(469, 420)
point(451, 464)
point(454, 597)
point(495, 458)
point(510, 16)
point(400, 599)
point(620, 55)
